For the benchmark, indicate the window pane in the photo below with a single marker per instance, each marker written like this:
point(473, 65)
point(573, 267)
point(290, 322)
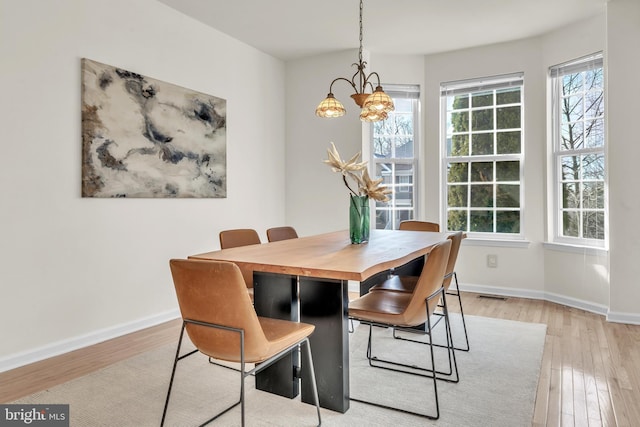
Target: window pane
point(593, 166)
point(508, 142)
point(458, 172)
point(385, 171)
point(571, 83)
point(594, 132)
point(482, 196)
point(571, 195)
point(508, 117)
point(594, 103)
point(459, 145)
point(572, 109)
point(382, 147)
point(460, 121)
point(508, 96)
point(457, 196)
point(481, 144)
point(460, 101)
point(570, 224)
point(481, 171)
point(570, 168)
point(594, 78)
point(572, 136)
point(593, 225)
point(482, 120)
point(382, 220)
point(508, 171)
point(593, 195)
point(481, 221)
point(482, 99)
point(507, 196)
point(404, 148)
point(508, 221)
point(457, 220)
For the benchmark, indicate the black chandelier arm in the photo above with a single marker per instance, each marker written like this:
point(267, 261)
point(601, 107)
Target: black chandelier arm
point(377, 76)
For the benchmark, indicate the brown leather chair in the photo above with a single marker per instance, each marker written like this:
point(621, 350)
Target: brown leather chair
point(281, 233)
point(406, 311)
point(241, 237)
point(414, 225)
point(222, 324)
point(407, 283)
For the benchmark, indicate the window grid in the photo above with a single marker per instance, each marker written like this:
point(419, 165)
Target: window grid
point(579, 154)
point(482, 148)
point(394, 145)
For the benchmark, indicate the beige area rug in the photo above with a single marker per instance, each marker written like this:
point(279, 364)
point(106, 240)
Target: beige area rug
point(497, 388)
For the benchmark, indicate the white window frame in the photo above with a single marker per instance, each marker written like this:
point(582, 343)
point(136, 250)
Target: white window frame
point(411, 92)
point(471, 86)
point(555, 81)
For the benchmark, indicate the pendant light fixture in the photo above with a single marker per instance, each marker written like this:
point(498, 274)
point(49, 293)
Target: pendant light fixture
point(375, 106)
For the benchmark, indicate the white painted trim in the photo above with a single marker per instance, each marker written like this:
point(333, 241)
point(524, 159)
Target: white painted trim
point(470, 241)
point(618, 317)
point(546, 296)
point(54, 349)
point(583, 250)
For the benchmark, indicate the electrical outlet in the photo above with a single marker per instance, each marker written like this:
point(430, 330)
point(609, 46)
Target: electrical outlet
point(492, 261)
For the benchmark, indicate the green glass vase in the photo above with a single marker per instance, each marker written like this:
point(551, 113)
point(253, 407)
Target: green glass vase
point(359, 219)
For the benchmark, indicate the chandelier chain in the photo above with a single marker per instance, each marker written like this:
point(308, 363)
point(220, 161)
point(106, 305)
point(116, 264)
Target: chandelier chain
point(360, 51)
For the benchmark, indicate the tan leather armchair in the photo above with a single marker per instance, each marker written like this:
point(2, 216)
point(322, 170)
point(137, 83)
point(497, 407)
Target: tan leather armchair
point(241, 237)
point(405, 311)
point(281, 233)
point(221, 323)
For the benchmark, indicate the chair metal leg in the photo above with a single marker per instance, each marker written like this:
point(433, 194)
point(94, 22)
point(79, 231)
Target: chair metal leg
point(464, 324)
point(313, 380)
point(434, 373)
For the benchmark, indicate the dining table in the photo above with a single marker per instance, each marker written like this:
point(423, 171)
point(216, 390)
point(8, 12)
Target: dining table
point(306, 279)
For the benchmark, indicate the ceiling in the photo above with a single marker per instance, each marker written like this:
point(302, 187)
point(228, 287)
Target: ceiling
point(289, 29)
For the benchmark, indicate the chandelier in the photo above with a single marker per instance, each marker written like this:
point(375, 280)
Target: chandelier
point(375, 106)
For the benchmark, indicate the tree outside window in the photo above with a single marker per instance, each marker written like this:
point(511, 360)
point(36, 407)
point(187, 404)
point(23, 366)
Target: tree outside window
point(483, 155)
point(579, 151)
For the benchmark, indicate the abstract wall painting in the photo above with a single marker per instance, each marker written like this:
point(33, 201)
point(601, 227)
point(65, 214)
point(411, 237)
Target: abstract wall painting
point(146, 138)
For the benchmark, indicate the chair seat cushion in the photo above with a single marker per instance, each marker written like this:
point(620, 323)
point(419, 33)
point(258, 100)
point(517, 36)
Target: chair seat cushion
point(282, 334)
point(382, 306)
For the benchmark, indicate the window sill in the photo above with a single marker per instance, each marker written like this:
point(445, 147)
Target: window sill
point(470, 241)
point(583, 250)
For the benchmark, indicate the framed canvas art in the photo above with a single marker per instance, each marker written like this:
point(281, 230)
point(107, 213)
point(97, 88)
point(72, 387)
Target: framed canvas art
point(142, 137)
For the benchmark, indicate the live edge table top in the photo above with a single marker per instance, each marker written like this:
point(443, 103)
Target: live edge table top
point(331, 255)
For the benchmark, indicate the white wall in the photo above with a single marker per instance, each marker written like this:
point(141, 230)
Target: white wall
point(519, 268)
point(623, 63)
point(316, 199)
point(74, 270)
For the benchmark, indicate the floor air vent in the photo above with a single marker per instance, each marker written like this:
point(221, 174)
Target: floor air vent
point(493, 297)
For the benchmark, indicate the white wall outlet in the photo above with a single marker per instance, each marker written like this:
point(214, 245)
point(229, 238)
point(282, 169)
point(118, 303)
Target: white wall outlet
point(492, 261)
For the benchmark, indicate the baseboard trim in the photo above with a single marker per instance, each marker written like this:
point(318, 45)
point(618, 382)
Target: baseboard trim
point(57, 348)
point(619, 317)
point(531, 294)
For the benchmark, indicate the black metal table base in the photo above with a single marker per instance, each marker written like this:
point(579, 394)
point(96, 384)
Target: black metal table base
point(323, 303)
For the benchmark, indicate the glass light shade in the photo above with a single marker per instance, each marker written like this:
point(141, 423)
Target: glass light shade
point(379, 101)
point(330, 107)
point(368, 115)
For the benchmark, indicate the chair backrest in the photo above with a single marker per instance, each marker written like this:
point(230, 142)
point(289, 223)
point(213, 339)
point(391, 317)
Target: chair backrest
point(214, 292)
point(430, 281)
point(456, 239)
point(281, 233)
point(419, 226)
point(238, 237)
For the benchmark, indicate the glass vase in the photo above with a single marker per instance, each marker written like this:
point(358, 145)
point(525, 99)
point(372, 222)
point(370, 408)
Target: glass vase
point(359, 219)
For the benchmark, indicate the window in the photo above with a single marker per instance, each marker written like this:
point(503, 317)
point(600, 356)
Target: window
point(482, 154)
point(580, 211)
point(394, 156)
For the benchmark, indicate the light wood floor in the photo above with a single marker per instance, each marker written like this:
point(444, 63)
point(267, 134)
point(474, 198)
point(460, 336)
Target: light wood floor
point(590, 368)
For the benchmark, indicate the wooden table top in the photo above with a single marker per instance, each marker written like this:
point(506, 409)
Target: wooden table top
point(331, 255)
